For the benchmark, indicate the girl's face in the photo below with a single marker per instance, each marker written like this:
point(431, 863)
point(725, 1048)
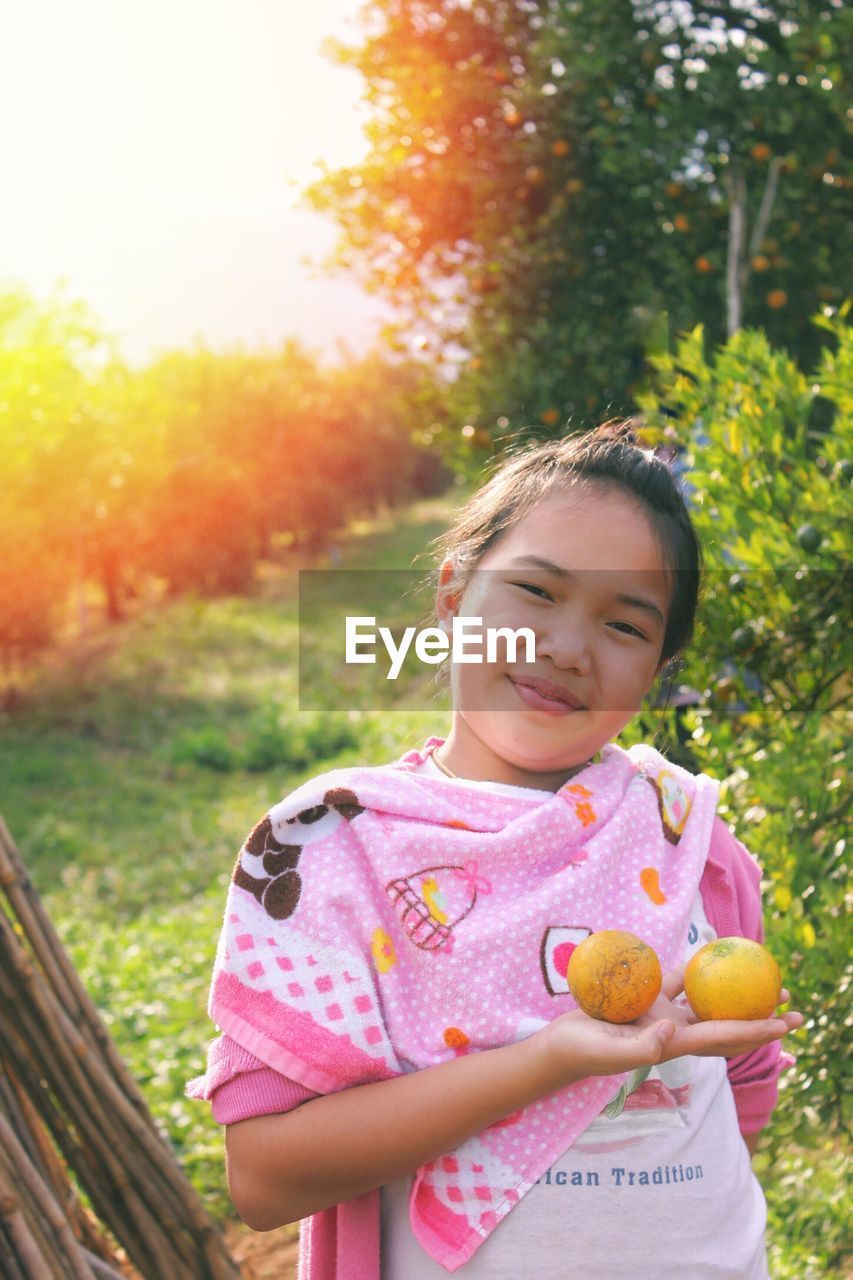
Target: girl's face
point(584, 571)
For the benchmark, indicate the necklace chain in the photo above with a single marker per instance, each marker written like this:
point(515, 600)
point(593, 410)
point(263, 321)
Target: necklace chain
point(442, 766)
point(450, 774)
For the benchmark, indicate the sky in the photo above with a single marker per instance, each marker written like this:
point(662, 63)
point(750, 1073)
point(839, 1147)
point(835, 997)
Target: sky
point(152, 153)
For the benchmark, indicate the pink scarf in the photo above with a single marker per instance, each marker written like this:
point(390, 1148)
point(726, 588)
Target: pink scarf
point(380, 921)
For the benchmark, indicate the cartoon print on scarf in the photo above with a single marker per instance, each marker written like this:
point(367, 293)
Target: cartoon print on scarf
point(266, 867)
point(558, 943)
point(673, 804)
point(650, 882)
point(456, 1039)
point(431, 902)
point(579, 796)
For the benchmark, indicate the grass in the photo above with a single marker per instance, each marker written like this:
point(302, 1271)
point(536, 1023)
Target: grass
point(133, 772)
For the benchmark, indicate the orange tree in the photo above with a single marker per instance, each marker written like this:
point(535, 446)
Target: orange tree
point(771, 454)
point(545, 176)
point(186, 472)
point(270, 445)
point(46, 356)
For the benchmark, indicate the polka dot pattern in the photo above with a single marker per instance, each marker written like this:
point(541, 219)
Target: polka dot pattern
point(463, 882)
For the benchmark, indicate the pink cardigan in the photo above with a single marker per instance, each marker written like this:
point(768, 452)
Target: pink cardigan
point(343, 1241)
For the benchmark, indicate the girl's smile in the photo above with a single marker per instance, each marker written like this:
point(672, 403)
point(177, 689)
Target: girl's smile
point(545, 695)
point(585, 572)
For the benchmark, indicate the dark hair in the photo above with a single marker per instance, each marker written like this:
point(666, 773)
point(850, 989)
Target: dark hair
point(609, 455)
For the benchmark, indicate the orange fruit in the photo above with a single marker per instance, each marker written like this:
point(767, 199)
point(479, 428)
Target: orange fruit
point(704, 265)
point(777, 298)
point(732, 978)
point(761, 151)
point(561, 147)
point(681, 222)
point(614, 976)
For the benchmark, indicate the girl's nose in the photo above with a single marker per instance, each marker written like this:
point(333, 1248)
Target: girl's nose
point(568, 645)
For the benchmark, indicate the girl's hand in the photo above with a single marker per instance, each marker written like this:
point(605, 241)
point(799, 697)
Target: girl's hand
point(577, 1045)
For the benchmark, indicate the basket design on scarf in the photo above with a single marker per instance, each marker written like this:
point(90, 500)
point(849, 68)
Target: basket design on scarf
point(431, 902)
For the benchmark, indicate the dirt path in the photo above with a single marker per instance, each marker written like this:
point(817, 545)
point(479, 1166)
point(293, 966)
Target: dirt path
point(265, 1255)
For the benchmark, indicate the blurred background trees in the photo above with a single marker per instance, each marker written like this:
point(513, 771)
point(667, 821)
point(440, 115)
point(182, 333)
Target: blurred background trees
point(547, 176)
point(121, 484)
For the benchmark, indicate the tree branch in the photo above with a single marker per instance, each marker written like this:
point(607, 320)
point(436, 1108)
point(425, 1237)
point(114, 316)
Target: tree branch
point(736, 184)
point(766, 207)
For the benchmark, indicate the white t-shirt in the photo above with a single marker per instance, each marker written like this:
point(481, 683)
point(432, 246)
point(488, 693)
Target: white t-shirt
point(661, 1188)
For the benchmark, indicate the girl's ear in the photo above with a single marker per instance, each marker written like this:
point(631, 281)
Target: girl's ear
point(447, 596)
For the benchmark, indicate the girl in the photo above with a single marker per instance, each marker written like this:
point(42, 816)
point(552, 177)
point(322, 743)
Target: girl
point(401, 1065)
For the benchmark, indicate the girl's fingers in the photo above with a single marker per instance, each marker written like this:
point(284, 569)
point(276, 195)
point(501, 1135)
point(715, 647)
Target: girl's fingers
point(728, 1038)
point(673, 983)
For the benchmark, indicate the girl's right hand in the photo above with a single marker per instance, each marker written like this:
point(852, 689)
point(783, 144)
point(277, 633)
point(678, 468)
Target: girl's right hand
point(577, 1045)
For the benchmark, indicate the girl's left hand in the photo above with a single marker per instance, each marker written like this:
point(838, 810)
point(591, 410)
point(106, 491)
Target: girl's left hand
point(726, 1038)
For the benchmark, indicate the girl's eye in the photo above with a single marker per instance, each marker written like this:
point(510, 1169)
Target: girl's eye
point(531, 587)
point(632, 630)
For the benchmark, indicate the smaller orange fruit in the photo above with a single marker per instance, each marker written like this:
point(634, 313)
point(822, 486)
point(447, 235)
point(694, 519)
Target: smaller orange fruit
point(614, 976)
point(777, 298)
point(732, 978)
point(761, 151)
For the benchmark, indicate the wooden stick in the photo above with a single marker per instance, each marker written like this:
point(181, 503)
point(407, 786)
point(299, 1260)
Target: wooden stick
point(25, 1248)
point(42, 1010)
point(83, 1222)
point(28, 1177)
point(101, 1269)
point(54, 960)
point(10, 1264)
point(52, 1033)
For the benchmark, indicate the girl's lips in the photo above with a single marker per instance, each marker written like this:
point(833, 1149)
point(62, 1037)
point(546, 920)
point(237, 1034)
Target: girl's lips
point(533, 698)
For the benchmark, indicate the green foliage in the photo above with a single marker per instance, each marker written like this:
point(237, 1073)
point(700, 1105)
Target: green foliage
point(208, 747)
point(273, 739)
point(773, 657)
point(808, 1212)
point(546, 176)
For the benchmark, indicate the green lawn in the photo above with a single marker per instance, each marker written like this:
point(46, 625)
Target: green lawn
point(131, 776)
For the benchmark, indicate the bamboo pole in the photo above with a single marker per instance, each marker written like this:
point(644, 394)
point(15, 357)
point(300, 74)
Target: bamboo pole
point(100, 1269)
point(58, 968)
point(157, 1243)
point(80, 1091)
point(29, 1263)
point(34, 1134)
point(28, 1178)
